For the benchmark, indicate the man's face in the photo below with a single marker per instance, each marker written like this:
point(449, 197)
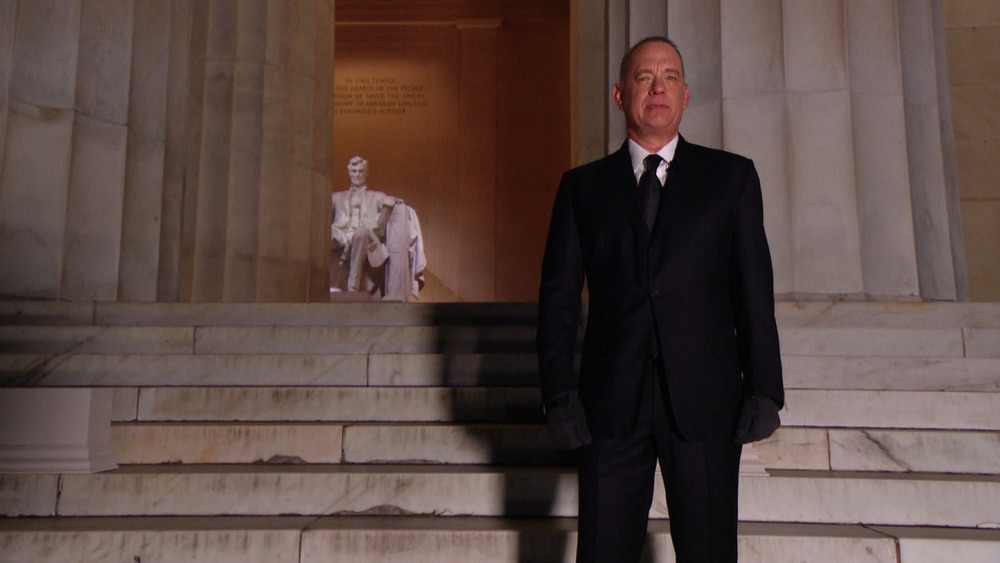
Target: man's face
point(357, 172)
point(652, 93)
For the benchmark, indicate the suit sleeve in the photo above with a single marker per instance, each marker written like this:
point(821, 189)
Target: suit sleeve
point(753, 293)
point(559, 298)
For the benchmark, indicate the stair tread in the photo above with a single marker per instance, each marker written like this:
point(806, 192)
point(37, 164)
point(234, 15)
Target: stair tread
point(457, 524)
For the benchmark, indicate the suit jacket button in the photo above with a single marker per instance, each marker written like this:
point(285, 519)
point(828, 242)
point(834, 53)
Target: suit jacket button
point(654, 293)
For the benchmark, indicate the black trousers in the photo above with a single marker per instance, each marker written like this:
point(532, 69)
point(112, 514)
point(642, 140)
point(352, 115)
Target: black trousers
point(616, 489)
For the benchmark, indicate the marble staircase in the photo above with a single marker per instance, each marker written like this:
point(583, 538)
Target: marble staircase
point(411, 432)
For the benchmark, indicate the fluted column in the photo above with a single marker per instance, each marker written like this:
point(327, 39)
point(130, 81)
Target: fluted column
point(696, 25)
point(840, 106)
point(165, 150)
point(888, 247)
point(940, 252)
point(825, 230)
point(43, 38)
point(145, 167)
point(754, 114)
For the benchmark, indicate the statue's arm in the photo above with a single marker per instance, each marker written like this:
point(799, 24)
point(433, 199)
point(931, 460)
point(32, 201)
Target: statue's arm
point(385, 200)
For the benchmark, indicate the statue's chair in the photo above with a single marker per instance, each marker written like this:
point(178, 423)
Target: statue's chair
point(388, 265)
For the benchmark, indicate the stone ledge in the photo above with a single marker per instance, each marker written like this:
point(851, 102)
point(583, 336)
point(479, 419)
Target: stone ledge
point(790, 448)
point(130, 370)
point(892, 409)
point(452, 369)
point(449, 539)
point(788, 313)
point(816, 408)
point(804, 497)
point(343, 404)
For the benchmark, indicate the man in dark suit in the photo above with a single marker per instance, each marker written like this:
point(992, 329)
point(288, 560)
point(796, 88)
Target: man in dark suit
point(680, 359)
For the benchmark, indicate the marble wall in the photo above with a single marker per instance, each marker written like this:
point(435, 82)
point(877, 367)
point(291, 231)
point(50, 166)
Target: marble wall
point(170, 151)
point(840, 105)
point(972, 29)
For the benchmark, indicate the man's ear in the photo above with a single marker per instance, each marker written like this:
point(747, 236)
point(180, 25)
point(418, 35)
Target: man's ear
point(616, 93)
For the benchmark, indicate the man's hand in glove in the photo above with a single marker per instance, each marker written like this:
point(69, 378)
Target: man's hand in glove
point(758, 419)
point(566, 421)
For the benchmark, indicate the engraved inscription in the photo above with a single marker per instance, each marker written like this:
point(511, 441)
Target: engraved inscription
point(377, 96)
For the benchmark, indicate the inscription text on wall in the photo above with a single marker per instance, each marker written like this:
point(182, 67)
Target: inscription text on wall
point(377, 96)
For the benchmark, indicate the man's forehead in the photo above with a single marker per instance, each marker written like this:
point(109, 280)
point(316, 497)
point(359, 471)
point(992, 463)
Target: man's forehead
point(655, 54)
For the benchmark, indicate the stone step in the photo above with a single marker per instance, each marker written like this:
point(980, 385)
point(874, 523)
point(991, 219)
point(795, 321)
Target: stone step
point(152, 540)
point(869, 449)
point(306, 490)
point(886, 373)
point(887, 314)
point(265, 314)
point(469, 444)
point(120, 370)
point(435, 369)
point(815, 408)
point(33, 339)
point(375, 539)
point(942, 410)
point(451, 339)
point(328, 404)
point(791, 448)
point(89, 370)
point(795, 314)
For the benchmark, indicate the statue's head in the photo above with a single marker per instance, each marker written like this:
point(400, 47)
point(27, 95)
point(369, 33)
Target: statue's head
point(357, 169)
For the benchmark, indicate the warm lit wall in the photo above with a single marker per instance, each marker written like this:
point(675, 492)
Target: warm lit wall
point(462, 110)
point(972, 29)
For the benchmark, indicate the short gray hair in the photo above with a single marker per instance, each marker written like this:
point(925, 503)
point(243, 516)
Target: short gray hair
point(655, 38)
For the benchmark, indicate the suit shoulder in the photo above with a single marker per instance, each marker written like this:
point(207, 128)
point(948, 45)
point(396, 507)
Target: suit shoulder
point(592, 167)
point(599, 171)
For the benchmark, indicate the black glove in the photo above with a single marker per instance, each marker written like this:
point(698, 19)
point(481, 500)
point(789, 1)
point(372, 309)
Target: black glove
point(566, 421)
point(758, 419)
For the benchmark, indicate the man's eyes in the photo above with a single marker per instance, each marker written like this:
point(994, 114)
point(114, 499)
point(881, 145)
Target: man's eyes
point(647, 78)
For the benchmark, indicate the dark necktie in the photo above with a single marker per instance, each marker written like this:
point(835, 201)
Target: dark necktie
point(650, 188)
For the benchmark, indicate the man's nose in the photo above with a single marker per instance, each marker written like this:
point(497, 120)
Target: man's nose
point(659, 84)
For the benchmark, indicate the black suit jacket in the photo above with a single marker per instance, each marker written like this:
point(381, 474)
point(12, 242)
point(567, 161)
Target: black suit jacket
point(697, 293)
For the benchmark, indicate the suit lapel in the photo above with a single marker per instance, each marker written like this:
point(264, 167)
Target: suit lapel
point(623, 191)
point(681, 177)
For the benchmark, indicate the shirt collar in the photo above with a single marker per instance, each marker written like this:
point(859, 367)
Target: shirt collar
point(638, 154)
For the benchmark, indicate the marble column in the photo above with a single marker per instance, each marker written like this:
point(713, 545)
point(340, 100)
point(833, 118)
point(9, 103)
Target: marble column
point(171, 151)
point(145, 167)
point(888, 246)
point(840, 105)
point(930, 147)
point(43, 39)
point(826, 236)
point(754, 115)
point(701, 37)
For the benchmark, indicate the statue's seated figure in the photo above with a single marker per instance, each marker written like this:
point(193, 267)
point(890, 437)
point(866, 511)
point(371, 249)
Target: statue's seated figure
point(374, 240)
